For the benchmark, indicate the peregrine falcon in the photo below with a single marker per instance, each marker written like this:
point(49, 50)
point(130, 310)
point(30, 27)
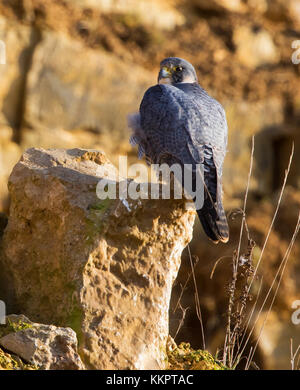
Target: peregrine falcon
point(178, 119)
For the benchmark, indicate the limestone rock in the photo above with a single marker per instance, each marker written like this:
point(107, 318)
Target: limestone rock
point(155, 13)
point(19, 41)
point(265, 114)
point(254, 48)
point(9, 362)
point(221, 5)
point(71, 87)
point(278, 10)
point(104, 268)
point(284, 10)
point(44, 346)
point(10, 152)
point(259, 6)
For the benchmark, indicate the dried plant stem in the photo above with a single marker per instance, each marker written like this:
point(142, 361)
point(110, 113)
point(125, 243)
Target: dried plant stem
point(282, 268)
point(182, 319)
point(183, 288)
point(275, 214)
point(216, 263)
point(294, 355)
point(238, 353)
point(229, 337)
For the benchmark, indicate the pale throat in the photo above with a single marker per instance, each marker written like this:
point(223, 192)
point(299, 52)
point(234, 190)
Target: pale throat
point(165, 80)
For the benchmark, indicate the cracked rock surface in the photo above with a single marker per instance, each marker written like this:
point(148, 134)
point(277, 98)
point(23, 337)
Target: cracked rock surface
point(105, 268)
point(46, 347)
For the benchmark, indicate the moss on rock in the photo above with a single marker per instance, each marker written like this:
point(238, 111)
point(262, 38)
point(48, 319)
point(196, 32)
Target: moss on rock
point(183, 357)
point(12, 362)
point(9, 361)
point(13, 327)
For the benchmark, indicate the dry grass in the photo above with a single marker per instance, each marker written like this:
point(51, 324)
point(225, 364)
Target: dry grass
point(245, 308)
point(238, 331)
point(295, 356)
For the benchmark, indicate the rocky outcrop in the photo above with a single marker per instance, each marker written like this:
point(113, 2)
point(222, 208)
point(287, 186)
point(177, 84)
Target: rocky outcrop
point(279, 10)
point(64, 96)
point(105, 268)
point(9, 155)
point(10, 362)
point(254, 48)
point(221, 5)
point(19, 41)
point(282, 10)
point(153, 13)
point(45, 347)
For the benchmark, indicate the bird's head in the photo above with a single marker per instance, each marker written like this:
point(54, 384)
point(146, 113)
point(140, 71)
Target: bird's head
point(176, 70)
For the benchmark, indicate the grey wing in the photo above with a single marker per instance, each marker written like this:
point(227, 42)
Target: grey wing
point(187, 129)
point(169, 119)
point(138, 136)
point(215, 134)
point(214, 131)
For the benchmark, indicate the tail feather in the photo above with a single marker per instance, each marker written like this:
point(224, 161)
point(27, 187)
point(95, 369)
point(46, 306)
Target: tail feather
point(212, 215)
point(215, 226)
point(213, 219)
point(207, 225)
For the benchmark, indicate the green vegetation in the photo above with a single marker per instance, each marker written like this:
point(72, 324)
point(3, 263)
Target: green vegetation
point(13, 327)
point(8, 361)
point(183, 357)
point(74, 321)
point(11, 362)
point(101, 205)
point(96, 218)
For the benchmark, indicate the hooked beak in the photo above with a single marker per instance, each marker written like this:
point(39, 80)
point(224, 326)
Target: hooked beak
point(164, 76)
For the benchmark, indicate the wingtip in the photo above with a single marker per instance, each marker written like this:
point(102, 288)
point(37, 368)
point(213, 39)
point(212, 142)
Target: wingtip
point(224, 239)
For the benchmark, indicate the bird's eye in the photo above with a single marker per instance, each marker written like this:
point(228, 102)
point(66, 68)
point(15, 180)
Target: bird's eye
point(178, 68)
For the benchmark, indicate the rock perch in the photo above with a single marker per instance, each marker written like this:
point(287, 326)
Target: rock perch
point(105, 268)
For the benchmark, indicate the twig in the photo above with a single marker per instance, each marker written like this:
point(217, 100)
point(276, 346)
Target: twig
point(260, 258)
point(183, 288)
point(216, 263)
point(275, 213)
point(283, 266)
point(294, 355)
point(228, 344)
point(182, 319)
point(197, 301)
point(239, 355)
